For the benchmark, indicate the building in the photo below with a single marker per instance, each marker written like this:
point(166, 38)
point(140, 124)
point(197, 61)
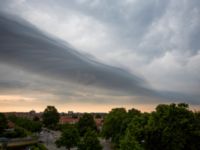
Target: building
point(66, 119)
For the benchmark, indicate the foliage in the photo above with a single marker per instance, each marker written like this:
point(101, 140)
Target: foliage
point(62, 127)
point(74, 116)
point(69, 137)
point(3, 123)
point(129, 142)
point(116, 122)
point(86, 122)
point(38, 147)
point(131, 114)
point(170, 127)
point(32, 126)
point(36, 118)
point(20, 132)
point(50, 117)
point(90, 141)
point(113, 122)
point(98, 116)
point(17, 132)
point(135, 133)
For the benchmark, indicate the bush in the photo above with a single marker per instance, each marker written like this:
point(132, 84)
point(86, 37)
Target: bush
point(32, 126)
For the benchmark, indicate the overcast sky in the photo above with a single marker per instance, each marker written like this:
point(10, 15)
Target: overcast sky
point(97, 53)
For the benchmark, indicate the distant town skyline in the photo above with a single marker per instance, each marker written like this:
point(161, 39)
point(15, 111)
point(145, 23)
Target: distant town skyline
point(92, 56)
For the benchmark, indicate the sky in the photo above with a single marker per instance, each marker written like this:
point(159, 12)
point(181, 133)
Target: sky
point(94, 55)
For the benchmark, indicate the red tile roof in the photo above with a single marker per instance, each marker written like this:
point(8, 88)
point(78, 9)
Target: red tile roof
point(64, 119)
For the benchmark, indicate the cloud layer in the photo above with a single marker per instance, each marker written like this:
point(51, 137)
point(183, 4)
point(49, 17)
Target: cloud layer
point(150, 45)
point(25, 47)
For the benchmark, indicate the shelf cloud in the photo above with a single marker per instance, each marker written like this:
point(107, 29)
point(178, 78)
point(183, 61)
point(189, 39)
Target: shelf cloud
point(24, 46)
point(148, 52)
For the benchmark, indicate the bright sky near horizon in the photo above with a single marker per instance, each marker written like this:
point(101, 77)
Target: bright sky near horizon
point(93, 55)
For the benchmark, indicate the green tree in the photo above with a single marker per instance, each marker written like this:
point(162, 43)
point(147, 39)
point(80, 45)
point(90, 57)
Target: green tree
point(131, 114)
point(172, 127)
point(32, 126)
point(3, 123)
point(18, 132)
point(195, 133)
point(129, 142)
point(135, 133)
point(38, 147)
point(69, 137)
point(113, 126)
point(86, 122)
point(90, 141)
point(98, 116)
point(50, 117)
point(36, 118)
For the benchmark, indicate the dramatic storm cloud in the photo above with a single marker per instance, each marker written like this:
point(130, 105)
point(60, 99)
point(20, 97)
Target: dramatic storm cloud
point(130, 51)
point(24, 46)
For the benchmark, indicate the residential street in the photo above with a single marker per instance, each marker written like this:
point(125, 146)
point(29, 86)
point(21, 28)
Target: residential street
point(106, 144)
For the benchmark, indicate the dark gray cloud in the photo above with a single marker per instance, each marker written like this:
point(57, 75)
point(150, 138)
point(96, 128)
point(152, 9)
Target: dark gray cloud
point(154, 39)
point(148, 28)
point(24, 46)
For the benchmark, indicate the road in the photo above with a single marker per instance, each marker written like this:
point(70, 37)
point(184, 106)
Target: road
point(106, 144)
point(19, 142)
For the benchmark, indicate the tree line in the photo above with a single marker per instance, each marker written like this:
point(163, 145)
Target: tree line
point(169, 127)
